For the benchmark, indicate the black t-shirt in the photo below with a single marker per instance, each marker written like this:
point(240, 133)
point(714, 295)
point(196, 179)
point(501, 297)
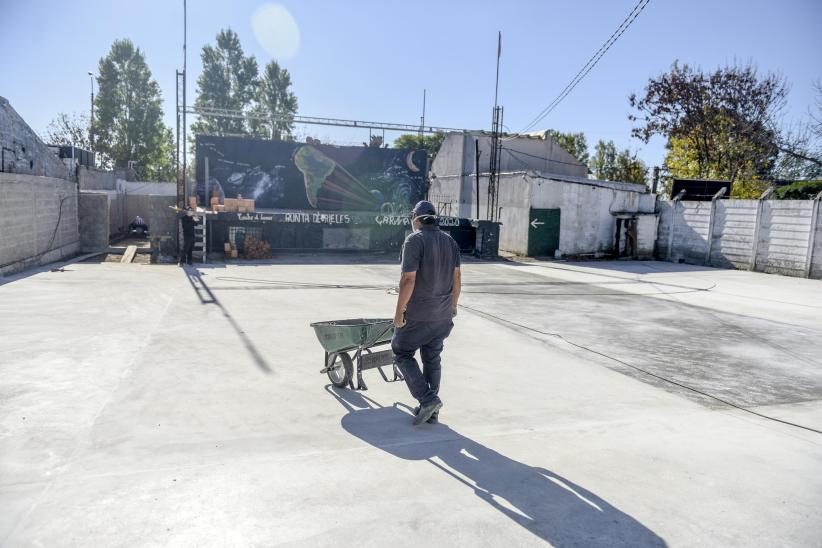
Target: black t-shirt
point(433, 255)
point(188, 222)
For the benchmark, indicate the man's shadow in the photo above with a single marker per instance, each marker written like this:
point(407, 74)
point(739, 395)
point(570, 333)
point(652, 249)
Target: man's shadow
point(548, 505)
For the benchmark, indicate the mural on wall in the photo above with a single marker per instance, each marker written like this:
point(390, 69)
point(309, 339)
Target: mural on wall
point(289, 175)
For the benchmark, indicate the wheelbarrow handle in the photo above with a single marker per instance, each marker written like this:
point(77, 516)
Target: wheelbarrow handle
point(384, 331)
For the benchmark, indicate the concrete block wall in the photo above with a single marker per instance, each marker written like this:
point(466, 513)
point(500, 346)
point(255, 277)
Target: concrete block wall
point(146, 187)
point(38, 221)
point(22, 151)
point(116, 213)
point(155, 210)
point(96, 179)
point(733, 234)
point(783, 237)
point(94, 221)
point(778, 232)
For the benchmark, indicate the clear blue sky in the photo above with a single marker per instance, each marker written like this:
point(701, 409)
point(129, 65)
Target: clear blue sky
point(371, 59)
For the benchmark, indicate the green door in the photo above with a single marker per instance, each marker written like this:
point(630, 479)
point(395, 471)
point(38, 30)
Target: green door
point(543, 232)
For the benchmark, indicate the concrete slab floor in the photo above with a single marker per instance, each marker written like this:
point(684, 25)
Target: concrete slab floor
point(145, 405)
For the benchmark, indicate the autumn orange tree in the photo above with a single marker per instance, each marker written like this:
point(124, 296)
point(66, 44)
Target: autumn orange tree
point(717, 125)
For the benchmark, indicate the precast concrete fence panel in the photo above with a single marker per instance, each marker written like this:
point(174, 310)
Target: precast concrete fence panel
point(783, 237)
point(733, 233)
point(772, 236)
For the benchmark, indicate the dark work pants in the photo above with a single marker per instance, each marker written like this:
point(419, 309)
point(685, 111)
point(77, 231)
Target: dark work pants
point(427, 337)
point(188, 249)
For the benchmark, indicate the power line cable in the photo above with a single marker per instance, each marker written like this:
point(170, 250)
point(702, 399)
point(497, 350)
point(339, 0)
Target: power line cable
point(592, 62)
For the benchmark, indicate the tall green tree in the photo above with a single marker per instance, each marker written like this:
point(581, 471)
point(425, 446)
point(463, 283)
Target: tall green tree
point(603, 163)
point(574, 144)
point(228, 81)
point(429, 143)
point(610, 164)
point(721, 122)
point(128, 124)
point(274, 99)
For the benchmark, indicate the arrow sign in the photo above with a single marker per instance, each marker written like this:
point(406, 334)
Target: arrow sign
point(534, 223)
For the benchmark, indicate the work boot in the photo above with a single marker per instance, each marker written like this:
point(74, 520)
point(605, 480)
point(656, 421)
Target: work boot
point(435, 418)
point(427, 411)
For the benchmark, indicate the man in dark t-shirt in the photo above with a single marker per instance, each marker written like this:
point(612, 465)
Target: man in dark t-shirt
point(187, 223)
point(426, 304)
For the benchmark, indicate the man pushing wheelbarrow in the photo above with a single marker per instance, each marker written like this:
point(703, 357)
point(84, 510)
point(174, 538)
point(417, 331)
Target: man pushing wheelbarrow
point(427, 302)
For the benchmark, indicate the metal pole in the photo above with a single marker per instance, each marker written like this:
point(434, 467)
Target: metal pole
point(206, 205)
point(185, 77)
point(207, 202)
point(177, 119)
point(422, 118)
point(477, 171)
point(91, 123)
point(499, 160)
point(499, 54)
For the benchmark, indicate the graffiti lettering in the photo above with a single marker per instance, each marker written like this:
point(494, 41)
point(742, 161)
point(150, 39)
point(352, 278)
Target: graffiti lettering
point(449, 221)
point(331, 219)
point(297, 217)
point(391, 220)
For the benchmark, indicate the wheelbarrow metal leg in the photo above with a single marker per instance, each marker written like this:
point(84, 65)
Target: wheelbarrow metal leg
point(358, 366)
point(397, 375)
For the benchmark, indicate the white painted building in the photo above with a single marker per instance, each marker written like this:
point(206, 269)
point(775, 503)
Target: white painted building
point(546, 203)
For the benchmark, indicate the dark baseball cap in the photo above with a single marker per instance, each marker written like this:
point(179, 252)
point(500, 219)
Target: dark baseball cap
point(424, 207)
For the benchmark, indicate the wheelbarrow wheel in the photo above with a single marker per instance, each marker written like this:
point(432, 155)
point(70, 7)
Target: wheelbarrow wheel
point(339, 369)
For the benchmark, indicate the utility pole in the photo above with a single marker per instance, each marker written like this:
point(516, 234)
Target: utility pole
point(91, 122)
point(185, 77)
point(496, 126)
point(477, 171)
point(177, 88)
point(422, 118)
point(499, 54)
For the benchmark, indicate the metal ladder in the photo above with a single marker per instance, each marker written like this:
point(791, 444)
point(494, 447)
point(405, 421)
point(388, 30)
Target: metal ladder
point(200, 241)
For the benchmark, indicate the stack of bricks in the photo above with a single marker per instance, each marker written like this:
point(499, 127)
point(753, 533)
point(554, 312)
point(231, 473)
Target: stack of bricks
point(239, 205)
point(230, 250)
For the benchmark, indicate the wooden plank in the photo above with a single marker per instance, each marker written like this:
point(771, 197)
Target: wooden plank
point(128, 256)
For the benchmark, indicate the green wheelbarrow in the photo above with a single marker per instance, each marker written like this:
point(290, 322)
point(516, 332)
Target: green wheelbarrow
point(340, 338)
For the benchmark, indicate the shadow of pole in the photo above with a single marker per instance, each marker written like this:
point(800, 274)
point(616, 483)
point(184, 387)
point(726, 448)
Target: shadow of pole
point(207, 296)
point(549, 506)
